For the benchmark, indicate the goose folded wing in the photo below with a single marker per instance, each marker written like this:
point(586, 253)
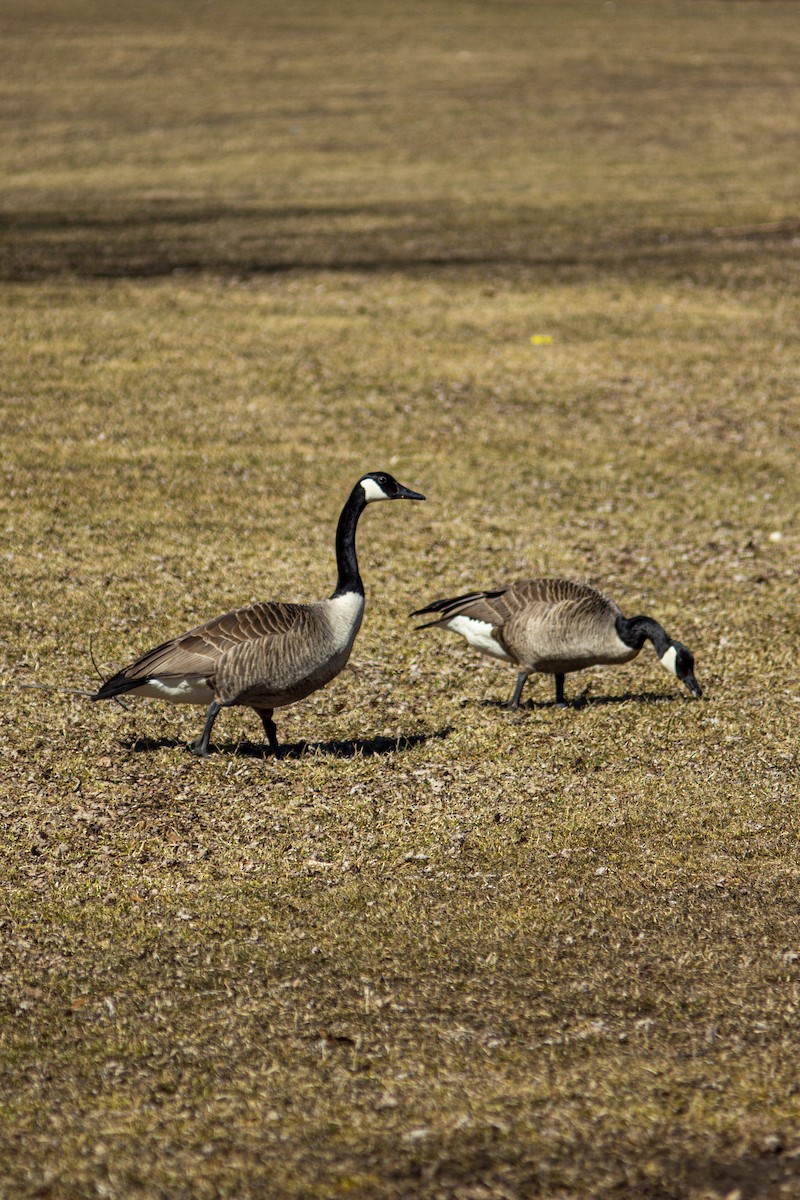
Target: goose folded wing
point(196, 655)
point(478, 606)
point(490, 607)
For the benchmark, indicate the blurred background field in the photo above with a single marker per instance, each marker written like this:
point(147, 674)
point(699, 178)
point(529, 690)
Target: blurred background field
point(540, 261)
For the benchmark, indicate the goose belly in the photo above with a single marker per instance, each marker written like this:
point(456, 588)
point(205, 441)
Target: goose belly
point(478, 634)
point(558, 653)
point(315, 677)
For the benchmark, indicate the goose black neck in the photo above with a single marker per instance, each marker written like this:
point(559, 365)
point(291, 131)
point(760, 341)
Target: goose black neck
point(348, 579)
point(634, 632)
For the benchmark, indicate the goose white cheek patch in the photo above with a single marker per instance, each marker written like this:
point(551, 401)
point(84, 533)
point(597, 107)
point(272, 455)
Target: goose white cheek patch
point(373, 490)
point(669, 659)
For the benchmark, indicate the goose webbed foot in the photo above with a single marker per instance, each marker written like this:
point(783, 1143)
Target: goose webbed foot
point(200, 745)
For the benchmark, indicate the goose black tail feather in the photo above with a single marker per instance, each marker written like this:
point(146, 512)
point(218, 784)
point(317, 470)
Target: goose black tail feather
point(451, 605)
point(449, 602)
point(435, 607)
point(116, 686)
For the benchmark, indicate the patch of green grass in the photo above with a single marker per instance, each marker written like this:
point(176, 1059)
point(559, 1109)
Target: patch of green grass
point(438, 949)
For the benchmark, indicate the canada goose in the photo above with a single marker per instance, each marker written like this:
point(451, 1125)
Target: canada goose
point(555, 626)
point(268, 654)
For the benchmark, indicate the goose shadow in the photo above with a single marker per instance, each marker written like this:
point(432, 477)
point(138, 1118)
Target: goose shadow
point(350, 748)
point(583, 701)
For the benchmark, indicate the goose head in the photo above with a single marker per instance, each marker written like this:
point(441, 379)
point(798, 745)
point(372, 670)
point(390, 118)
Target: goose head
point(679, 661)
point(379, 485)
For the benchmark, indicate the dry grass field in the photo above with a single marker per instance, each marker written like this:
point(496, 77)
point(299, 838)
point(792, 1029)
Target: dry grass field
point(438, 950)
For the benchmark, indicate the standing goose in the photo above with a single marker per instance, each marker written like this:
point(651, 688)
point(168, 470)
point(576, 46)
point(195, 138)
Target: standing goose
point(267, 654)
point(555, 626)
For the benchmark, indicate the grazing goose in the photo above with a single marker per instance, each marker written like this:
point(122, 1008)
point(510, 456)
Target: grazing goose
point(555, 626)
point(268, 654)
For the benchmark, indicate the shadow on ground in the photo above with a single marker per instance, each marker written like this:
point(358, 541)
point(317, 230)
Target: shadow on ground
point(497, 1171)
point(353, 748)
point(147, 240)
point(584, 700)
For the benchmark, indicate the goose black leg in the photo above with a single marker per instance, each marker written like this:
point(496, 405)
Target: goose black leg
point(560, 701)
point(518, 686)
point(270, 730)
point(200, 747)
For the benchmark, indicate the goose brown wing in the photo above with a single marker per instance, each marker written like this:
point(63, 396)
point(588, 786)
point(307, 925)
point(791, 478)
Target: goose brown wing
point(537, 599)
point(530, 595)
point(549, 592)
point(196, 654)
point(479, 606)
point(550, 612)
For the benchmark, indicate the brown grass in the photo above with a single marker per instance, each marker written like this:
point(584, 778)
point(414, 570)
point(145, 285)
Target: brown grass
point(438, 950)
